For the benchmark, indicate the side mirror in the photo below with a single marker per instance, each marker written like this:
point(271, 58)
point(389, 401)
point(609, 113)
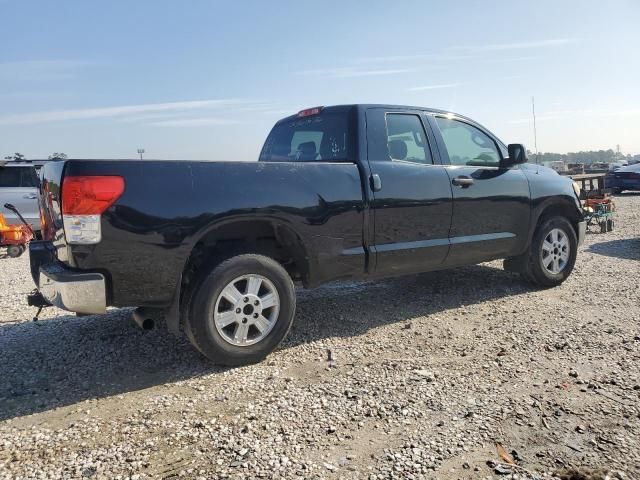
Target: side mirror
point(517, 155)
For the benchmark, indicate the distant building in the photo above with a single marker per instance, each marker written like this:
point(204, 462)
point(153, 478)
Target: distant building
point(559, 166)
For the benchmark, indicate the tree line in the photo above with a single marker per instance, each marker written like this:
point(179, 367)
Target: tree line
point(590, 156)
point(18, 157)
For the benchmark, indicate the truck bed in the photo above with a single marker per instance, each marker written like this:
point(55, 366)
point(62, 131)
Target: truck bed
point(169, 206)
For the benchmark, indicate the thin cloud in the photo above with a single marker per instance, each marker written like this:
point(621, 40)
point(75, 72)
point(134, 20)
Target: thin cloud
point(470, 52)
point(232, 108)
point(194, 122)
point(115, 112)
point(351, 72)
point(539, 118)
point(283, 111)
point(509, 77)
point(157, 116)
point(524, 58)
point(553, 115)
point(566, 114)
point(417, 57)
point(434, 87)
point(554, 42)
point(42, 64)
point(374, 66)
point(41, 70)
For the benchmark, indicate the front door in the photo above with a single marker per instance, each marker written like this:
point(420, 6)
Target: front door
point(491, 204)
point(412, 197)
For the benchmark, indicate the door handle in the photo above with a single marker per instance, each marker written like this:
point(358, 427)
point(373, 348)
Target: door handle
point(463, 182)
point(375, 183)
point(30, 196)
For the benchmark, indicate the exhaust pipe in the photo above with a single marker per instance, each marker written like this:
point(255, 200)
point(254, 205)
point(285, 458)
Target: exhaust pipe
point(143, 318)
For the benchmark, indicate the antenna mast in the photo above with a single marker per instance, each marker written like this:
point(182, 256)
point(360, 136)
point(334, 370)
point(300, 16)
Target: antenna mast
point(535, 133)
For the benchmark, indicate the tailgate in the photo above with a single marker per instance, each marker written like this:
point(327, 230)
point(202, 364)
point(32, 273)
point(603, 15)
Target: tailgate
point(50, 203)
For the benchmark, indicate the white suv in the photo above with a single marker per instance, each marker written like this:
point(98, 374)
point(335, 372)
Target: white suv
point(19, 186)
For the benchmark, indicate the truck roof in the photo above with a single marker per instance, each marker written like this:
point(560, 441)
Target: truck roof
point(364, 106)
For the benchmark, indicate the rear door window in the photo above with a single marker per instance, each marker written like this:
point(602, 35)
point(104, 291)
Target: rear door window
point(17, 177)
point(322, 137)
point(406, 138)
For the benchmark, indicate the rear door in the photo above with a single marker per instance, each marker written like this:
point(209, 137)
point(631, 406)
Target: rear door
point(491, 204)
point(411, 193)
point(18, 187)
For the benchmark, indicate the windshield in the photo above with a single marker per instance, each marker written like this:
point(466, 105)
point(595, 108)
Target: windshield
point(322, 137)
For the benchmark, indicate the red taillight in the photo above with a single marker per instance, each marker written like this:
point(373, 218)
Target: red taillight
point(309, 111)
point(90, 195)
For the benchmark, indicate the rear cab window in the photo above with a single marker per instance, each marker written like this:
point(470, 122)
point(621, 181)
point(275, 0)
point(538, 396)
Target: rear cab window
point(18, 177)
point(326, 136)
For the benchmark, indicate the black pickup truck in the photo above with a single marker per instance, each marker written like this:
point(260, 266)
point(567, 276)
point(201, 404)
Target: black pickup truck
point(342, 192)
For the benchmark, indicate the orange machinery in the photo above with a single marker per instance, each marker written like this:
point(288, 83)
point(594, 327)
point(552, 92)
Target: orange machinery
point(14, 238)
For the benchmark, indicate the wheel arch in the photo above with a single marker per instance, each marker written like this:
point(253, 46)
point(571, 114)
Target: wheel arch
point(272, 237)
point(556, 206)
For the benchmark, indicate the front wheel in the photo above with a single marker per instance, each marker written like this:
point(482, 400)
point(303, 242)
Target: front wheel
point(552, 253)
point(241, 310)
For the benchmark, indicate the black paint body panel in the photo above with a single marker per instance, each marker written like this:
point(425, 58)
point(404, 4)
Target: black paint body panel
point(167, 207)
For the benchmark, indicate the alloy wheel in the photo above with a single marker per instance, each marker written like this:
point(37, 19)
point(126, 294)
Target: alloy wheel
point(246, 310)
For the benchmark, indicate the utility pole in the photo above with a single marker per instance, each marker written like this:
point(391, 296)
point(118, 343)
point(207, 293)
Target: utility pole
point(140, 152)
point(535, 133)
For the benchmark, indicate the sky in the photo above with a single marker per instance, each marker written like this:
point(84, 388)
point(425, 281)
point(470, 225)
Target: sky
point(206, 79)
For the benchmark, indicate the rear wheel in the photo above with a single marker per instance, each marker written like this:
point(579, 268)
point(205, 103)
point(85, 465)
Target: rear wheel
point(552, 253)
point(241, 310)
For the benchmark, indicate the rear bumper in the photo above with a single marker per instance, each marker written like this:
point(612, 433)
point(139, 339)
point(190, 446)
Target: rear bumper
point(582, 231)
point(81, 292)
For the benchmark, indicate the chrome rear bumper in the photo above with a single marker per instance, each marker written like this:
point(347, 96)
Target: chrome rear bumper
point(80, 292)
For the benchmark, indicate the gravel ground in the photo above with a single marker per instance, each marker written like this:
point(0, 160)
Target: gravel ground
point(416, 377)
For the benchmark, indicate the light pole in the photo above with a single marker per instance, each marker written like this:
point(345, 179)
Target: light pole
point(140, 152)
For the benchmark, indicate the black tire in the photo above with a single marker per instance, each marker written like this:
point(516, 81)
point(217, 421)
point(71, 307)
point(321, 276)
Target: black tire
point(199, 324)
point(534, 270)
point(603, 226)
point(14, 251)
point(617, 191)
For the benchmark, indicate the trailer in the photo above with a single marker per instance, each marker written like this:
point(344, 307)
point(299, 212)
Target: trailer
point(598, 205)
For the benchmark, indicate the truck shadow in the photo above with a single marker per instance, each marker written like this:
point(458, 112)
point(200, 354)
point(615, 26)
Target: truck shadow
point(628, 248)
point(66, 360)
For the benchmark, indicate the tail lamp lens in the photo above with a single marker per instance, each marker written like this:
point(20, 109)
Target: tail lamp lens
point(90, 195)
point(84, 199)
